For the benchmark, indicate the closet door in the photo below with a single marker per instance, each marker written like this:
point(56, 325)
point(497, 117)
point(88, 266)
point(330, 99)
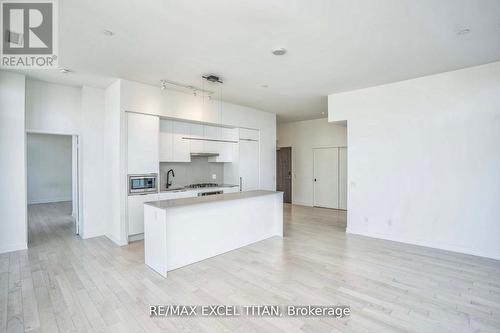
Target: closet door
point(326, 177)
point(343, 178)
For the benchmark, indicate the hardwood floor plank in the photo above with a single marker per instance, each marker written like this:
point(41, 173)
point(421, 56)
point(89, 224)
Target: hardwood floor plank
point(65, 284)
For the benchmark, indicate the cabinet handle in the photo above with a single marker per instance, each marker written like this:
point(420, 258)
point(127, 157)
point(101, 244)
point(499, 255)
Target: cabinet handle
point(241, 184)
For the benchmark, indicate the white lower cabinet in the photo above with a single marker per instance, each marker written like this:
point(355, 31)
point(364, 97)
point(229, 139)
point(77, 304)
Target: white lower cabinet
point(136, 205)
point(136, 212)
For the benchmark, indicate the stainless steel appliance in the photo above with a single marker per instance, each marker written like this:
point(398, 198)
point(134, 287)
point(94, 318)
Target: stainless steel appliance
point(202, 185)
point(203, 194)
point(142, 184)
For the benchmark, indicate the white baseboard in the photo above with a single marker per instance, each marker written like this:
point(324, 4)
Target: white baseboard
point(116, 241)
point(51, 200)
point(133, 238)
point(14, 247)
point(87, 235)
point(299, 203)
point(433, 245)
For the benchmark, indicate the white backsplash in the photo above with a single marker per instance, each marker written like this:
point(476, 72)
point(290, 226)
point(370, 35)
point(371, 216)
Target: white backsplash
point(199, 170)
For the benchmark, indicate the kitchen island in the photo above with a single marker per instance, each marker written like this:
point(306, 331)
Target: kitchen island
point(180, 232)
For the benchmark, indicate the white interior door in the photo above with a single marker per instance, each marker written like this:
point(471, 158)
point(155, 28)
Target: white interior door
point(326, 177)
point(343, 178)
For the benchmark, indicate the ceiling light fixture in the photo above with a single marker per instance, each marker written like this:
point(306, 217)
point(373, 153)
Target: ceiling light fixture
point(279, 51)
point(212, 78)
point(108, 33)
point(165, 83)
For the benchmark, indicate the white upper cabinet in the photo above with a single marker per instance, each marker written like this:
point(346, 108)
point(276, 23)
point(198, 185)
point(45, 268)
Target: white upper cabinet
point(173, 145)
point(249, 161)
point(249, 134)
point(166, 140)
point(211, 133)
point(143, 140)
point(196, 131)
point(181, 146)
point(226, 150)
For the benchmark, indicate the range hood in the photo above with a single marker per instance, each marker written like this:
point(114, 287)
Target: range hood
point(205, 154)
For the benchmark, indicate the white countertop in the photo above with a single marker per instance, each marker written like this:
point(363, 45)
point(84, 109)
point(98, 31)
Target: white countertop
point(164, 204)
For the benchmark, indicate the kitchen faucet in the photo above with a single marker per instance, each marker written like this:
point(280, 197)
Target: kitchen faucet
point(169, 183)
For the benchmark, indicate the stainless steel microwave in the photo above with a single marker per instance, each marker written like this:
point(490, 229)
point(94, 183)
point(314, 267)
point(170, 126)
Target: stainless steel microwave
point(142, 184)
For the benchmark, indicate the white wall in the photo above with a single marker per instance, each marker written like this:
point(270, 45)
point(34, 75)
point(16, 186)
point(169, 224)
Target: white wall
point(303, 136)
point(49, 168)
point(12, 163)
point(55, 108)
point(424, 160)
point(113, 184)
point(93, 167)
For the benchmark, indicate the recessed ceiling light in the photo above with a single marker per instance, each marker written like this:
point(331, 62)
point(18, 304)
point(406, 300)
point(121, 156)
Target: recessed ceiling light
point(463, 31)
point(108, 33)
point(279, 51)
point(64, 70)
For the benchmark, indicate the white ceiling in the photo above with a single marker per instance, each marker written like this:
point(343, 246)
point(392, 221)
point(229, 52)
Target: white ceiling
point(333, 45)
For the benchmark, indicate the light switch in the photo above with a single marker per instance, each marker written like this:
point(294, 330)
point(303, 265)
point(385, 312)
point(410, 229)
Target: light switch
point(214, 176)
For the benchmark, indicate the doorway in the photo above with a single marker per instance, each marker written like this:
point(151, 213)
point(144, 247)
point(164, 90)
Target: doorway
point(330, 177)
point(284, 172)
point(52, 186)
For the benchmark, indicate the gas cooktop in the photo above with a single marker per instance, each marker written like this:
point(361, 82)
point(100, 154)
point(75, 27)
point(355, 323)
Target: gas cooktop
point(202, 185)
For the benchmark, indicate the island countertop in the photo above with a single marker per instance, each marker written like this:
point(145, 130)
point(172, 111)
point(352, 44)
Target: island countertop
point(171, 203)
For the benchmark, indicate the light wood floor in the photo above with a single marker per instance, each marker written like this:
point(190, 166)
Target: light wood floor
point(65, 284)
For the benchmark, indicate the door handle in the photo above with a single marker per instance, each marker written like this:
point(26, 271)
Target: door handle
point(315, 179)
point(241, 184)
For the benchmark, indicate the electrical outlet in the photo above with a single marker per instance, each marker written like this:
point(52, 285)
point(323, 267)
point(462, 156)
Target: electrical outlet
point(214, 176)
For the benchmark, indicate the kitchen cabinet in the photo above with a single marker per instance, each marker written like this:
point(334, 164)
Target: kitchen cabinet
point(249, 161)
point(166, 140)
point(142, 143)
point(249, 134)
point(173, 146)
point(227, 150)
point(181, 146)
point(136, 212)
point(211, 133)
point(196, 131)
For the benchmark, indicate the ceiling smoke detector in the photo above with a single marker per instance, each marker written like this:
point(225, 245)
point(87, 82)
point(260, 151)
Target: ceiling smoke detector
point(463, 31)
point(279, 51)
point(212, 78)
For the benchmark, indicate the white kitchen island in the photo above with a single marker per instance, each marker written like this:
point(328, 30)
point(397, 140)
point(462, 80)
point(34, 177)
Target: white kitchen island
point(180, 232)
